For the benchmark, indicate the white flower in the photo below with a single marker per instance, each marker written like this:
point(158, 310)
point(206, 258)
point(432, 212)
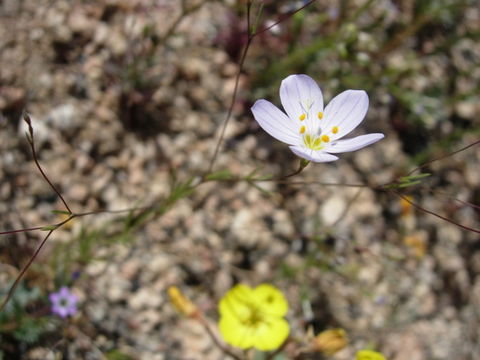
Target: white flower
point(312, 132)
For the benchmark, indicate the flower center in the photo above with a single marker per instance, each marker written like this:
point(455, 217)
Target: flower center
point(313, 142)
point(254, 318)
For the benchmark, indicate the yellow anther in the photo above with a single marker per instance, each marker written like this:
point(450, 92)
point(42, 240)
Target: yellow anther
point(325, 138)
point(335, 129)
point(302, 117)
point(302, 129)
point(320, 115)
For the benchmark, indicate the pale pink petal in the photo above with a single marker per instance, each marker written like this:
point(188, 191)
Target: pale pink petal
point(312, 155)
point(353, 144)
point(345, 112)
point(275, 122)
point(300, 94)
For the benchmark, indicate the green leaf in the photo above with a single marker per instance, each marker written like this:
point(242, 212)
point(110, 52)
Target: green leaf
point(49, 228)
point(414, 177)
point(254, 26)
point(219, 175)
point(61, 212)
point(117, 355)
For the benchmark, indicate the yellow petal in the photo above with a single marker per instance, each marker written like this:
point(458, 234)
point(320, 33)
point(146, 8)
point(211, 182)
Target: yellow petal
point(235, 333)
point(369, 355)
point(237, 301)
point(270, 300)
point(271, 334)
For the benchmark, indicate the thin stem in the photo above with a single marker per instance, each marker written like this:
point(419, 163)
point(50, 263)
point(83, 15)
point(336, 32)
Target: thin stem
point(347, 208)
point(31, 141)
point(303, 165)
point(444, 157)
point(235, 91)
point(282, 20)
point(215, 340)
point(451, 197)
point(421, 208)
point(20, 230)
point(185, 11)
point(25, 268)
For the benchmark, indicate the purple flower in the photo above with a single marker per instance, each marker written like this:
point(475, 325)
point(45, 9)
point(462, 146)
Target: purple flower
point(313, 132)
point(64, 303)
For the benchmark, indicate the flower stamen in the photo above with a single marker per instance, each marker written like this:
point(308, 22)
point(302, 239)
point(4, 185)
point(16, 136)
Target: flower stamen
point(302, 129)
point(320, 115)
point(335, 129)
point(302, 117)
point(325, 138)
point(312, 142)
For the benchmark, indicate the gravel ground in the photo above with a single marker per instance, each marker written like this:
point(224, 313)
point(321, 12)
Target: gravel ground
point(118, 109)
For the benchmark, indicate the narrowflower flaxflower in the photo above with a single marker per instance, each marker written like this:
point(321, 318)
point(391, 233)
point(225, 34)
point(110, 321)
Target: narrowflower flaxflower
point(369, 355)
point(64, 303)
point(254, 317)
point(312, 132)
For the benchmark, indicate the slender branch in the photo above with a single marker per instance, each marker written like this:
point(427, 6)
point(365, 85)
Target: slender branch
point(348, 207)
point(451, 197)
point(25, 268)
point(235, 91)
point(421, 208)
point(31, 141)
point(282, 20)
point(214, 338)
point(444, 156)
point(20, 230)
point(185, 11)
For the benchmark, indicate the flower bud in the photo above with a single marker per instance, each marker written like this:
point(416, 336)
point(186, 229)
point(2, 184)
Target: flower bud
point(183, 305)
point(330, 341)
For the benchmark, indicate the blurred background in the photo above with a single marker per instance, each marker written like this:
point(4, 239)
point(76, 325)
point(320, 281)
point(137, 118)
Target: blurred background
point(127, 98)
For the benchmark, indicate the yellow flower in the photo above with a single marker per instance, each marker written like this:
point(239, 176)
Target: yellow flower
point(369, 355)
point(330, 341)
point(254, 317)
point(183, 305)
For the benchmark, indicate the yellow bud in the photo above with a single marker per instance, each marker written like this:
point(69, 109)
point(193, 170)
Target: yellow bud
point(405, 206)
point(417, 244)
point(369, 355)
point(330, 341)
point(183, 305)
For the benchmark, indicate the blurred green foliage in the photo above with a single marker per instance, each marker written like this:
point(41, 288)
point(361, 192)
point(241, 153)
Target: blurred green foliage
point(17, 325)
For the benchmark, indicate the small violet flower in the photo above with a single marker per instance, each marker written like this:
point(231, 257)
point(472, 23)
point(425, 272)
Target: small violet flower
point(64, 302)
point(313, 132)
